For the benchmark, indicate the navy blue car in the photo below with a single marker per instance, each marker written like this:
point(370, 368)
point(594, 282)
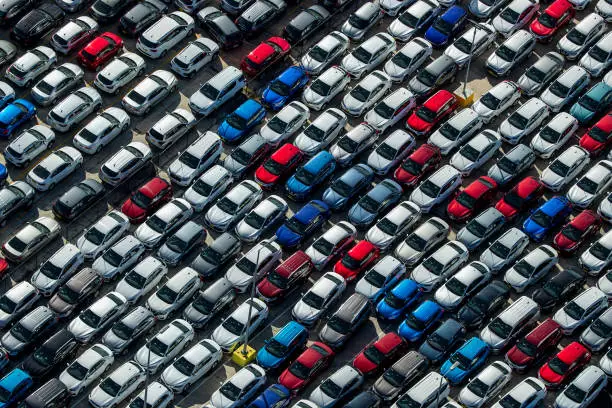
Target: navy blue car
point(303, 224)
point(384, 195)
point(284, 87)
point(438, 345)
point(446, 26)
point(350, 184)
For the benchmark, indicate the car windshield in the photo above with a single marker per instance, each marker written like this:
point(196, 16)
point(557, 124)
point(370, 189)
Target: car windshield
point(384, 111)
point(500, 328)
point(490, 101)
point(416, 242)
point(227, 205)
point(509, 15)
point(318, 54)
point(320, 87)
point(241, 156)
point(110, 387)
point(21, 333)
point(369, 204)
point(342, 188)
point(112, 257)
point(558, 366)
point(542, 219)
point(571, 232)
point(374, 355)
point(277, 124)
point(233, 326)
point(280, 88)
point(524, 268)
point(406, 402)
point(535, 74)
point(500, 250)
point(466, 200)
point(443, 26)
point(547, 20)
point(600, 328)
point(414, 323)
point(135, 280)
point(273, 167)
point(559, 89)
point(426, 114)
point(183, 366)
point(315, 133)
point(236, 121)
point(589, 103)
point(514, 199)
point(574, 310)
point(50, 270)
point(470, 153)
point(462, 361)
point(429, 188)
point(509, 402)
point(394, 378)
point(7, 305)
point(478, 387)
point(255, 220)
point(598, 134)
point(375, 278)
point(550, 135)
point(574, 393)
point(395, 302)
point(386, 151)
point(455, 286)
point(158, 347)
point(44, 356)
point(559, 167)
point(426, 77)
point(68, 295)
point(476, 228)
point(209, 91)
point(518, 121)
point(409, 19)
point(358, 22)
point(505, 53)
point(598, 54)
point(360, 93)
point(90, 318)
point(122, 330)
point(323, 246)
point(526, 347)
point(387, 226)
point(350, 262)
point(313, 300)
point(411, 166)
point(599, 251)
point(140, 199)
point(433, 266)
point(203, 305)
point(347, 144)
point(331, 388)
point(401, 60)
point(41, 171)
point(276, 349)
point(438, 342)
point(362, 55)
point(167, 295)
point(296, 226)
point(77, 371)
point(507, 165)
point(576, 37)
point(230, 390)
point(277, 280)
point(94, 236)
point(299, 370)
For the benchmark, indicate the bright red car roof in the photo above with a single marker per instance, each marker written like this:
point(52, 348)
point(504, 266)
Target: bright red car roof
point(571, 352)
point(266, 49)
point(527, 186)
point(311, 355)
point(423, 153)
point(605, 123)
point(388, 342)
point(361, 250)
point(557, 8)
point(285, 153)
point(153, 187)
point(438, 99)
point(584, 219)
point(101, 42)
point(480, 186)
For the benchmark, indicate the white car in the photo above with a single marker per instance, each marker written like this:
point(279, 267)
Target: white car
point(170, 128)
point(101, 130)
point(120, 257)
point(324, 293)
point(194, 57)
point(149, 92)
point(605, 9)
point(233, 330)
point(118, 386)
point(392, 7)
point(164, 345)
point(261, 218)
point(175, 293)
point(554, 135)
point(408, 59)
point(584, 389)
point(239, 388)
point(598, 256)
point(515, 16)
point(366, 93)
point(125, 332)
point(104, 233)
point(323, 53)
point(343, 382)
point(327, 246)
point(391, 109)
point(444, 262)
point(168, 31)
point(563, 90)
point(74, 34)
point(582, 36)
point(230, 208)
point(476, 152)
point(511, 53)
point(456, 131)
point(425, 237)
point(54, 168)
point(362, 20)
point(285, 123)
point(485, 385)
point(210, 185)
point(597, 335)
point(74, 108)
point(475, 41)
point(193, 161)
point(540, 73)
point(415, 18)
point(125, 163)
point(216, 91)
point(16, 301)
point(369, 54)
point(599, 58)
point(323, 89)
point(57, 269)
point(29, 144)
point(524, 120)
point(119, 72)
point(192, 365)
point(163, 222)
point(321, 132)
point(156, 394)
point(581, 309)
point(591, 185)
point(25, 69)
point(393, 225)
point(528, 393)
point(497, 100)
point(462, 285)
point(97, 317)
point(391, 151)
point(382, 276)
point(565, 168)
point(505, 249)
point(436, 188)
point(351, 144)
point(57, 83)
point(531, 268)
point(253, 265)
point(139, 281)
point(605, 208)
point(87, 368)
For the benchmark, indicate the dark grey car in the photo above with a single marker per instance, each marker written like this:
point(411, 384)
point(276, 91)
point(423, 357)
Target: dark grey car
point(400, 375)
point(28, 330)
point(305, 23)
point(481, 228)
point(440, 71)
point(512, 164)
point(13, 197)
point(124, 332)
point(215, 255)
point(179, 244)
point(141, 16)
point(209, 302)
point(262, 12)
point(346, 320)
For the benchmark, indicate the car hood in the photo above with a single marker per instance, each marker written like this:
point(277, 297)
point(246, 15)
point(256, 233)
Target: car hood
point(551, 99)
point(224, 338)
point(113, 342)
point(246, 231)
point(590, 63)
point(172, 376)
point(367, 289)
point(237, 277)
point(491, 260)
point(180, 171)
point(147, 235)
point(431, 353)
point(423, 277)
point(551, 178)
point(579, 196)
point(498, 63)
point(379, 238)
point(502, 26)
point(466, 237)
point(217, 216)
point(436, 37)
point(418, 87)
point(286, 236)
point(127, 290)
point(507, 130)
point(446, 298)
point(461, 163)
point(568, 46)
point(528, 85)
point(100, 398)
point(311, 65)
point(360, 215)
point(351, 31)
point(86, 247)
point(201, 101)
point(70, 382)
point(303, 312)
point(589, 337)
point(456, 54)
point(233, 165)
point(80, 330)
point(42, 281)
point(499, 175)
point(564, 319)
point(493, 340)
point(306, 144)
point(420, 198)
point(103, 268)
point(352, 64)
point(333, 198)
point(132, 210)
point(591, 262)
point(321, 399)
point(143, 357)
point(157, 305)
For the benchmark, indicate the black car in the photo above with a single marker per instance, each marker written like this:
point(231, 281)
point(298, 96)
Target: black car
point(53, 352)
point(443, 340)
point(141, 16)
point(51, 394)
point(305, 23)
point(564, 285)
point(365, 399)
point(215, 255)
point(37, 23)
point(12, 10)
point(109, 10)
point(220, 27)
point(78, 199)
point(256, 18)
point(484, 304)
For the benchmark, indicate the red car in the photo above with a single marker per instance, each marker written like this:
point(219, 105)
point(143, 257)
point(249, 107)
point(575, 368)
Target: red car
point(379, 354)
point(357, 260)
point(559, 368)
point(541, 340)
point(468, 201)
point(4, 267)
point(100, 50)
point(264, 55)
point(576, 231)
point(422, 161)
point(315, 359)
point(279, 165)
point(437, 108)
point(546, 25)
point(275, 285)
point(598, 137)
point(147, 199)
point(522, 195)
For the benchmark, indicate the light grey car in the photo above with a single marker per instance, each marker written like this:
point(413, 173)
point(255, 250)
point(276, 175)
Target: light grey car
point(102, 234)
point(97, 317)
point(125, 163)
point(74, 108)
point(101, 130)
point(210, 185)
point(366, 93)
point(393, 108)
point(473, 42)
point(565, 168)
point(150, 92)
point(181, 243)
point(541, 73)
point(408, 59)
point(505, 249)
point(209, 302)
point(201, 359)
point(485, 385)
point(16, 301)
point(29, 145)
point(86, 368)
point(391, 151)
point(15, 196)
point(554, 135)
point(584, 389)
point(127, 330)
point(57, 83)
point(165, 345)
point(163, 222)
point(599, 57)
point(197, 158)
point(456, 131)
point(436, 188)
point(232, 331)
point(582, 36)
point(139, 281)
point(230, 208)
point(598, 256)
point(54, 168)
point(285, 123)
point(323, 53)
point(330, 243)
point(523, 121)
point(445, 261)
point(321, 132)
point(485, 9)
point(393, 225)
point(476, 152)
point(319, 298)
point(266, 214)
point(531, 268)
point(597, 335)
point(481, 228)
point(118, 385)
point(581, 309)
point(343, 382)
point(118, 258)
point(416, 17)
point(30, 239)
point(420, 241)
point(119, 72)
point(497, 100)
point(25, 69)
point(369, 54)
point(173, 294)
point(362, 20)
point(512, 164)
point(511, 53)
point(351, 144)
point(571, 83)
point(323, 89)
point(74, 34)
point(595, 182)
point(57, 269)
point(254, 264)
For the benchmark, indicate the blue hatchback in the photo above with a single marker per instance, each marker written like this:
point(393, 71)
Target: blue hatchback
point(291, 338)
point(398, 300)
point(384, 195)
point(14, 386)
point(284, 87)
point(442, 341)
point(13, 115)
point(303, 223)
point(549, 215)
point(308, 177)
point(446, 26)
point(350, 184)
point(418, 321)
point(241, 121)
point(275, 396)
point(466, 360)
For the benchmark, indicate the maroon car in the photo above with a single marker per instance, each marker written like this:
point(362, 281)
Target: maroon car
point(535, 345)
point(275, 285)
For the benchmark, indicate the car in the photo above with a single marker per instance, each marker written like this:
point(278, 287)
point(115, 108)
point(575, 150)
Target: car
point(436, 188)
point(383, 195)
point(531, 268)
point(604, 210)
point(281, 281)
point(390, 151)
point(170, 128)
point(98, 317)
point(524, 120)
point(319, 298)
point(86, 368)
point(434, 75)
point(209, 303)
point(362, 20)
point(233, 205)
point(325, 87)
point(476, 196)
point(240, 387)
point(312, 361)
point(419, 164)
point(240, 122)
point(515, 16)
point(192, 365)
point(566, 167)
point(581, 309)
point(212, 183)
point(278, 166)
point(584, 389)
point(462, 285)
point(565, 88)
point(30, 65)
point(224, 248)
point(505, 249)
point(222, 29)
point(554, 135)
point(391, 109)
point(77, 199)
point(265, 55)
point(356, 260)
point(597, 59)
point(557, 370)
point(102, 234)
point(13, 115)
point(513, 163)
point(604, 9)
point(119, 257)
point(425, 237)
point(165, 33)
point(8, 52)
point(55, 350)
point(324, 52)
point(534, 346)
point(305, 23)
point(232, 331)
point(266, 214)
point(476, 152)
point(484, 304)
point(141, 279)
point(582, 36)
point(118, 385)
point(166, 344)
point(259, 14)
point(546, 217)
point(378, 354)
point(431, 387)
point(310, 175)
point(538, 75)
point(101, 130)
point(125, 163)
point(74, 34)
point(119, 72)
point(14, 197)
point(246, 155)
point(419, 320)
point(604, 362)
point(28, 331)
point(511, 52)
point(480, 228)
point(380, 278)
point(100, 50)
point(366, 93)
point(398, 300)
point(289, 83)
point(253, 265)
point(434, 269)
point(179, 244)
point(446, 26)
point(438, 345)
point(74, 108)
point(331, 244)
point(576, 231)
point(485, 385)
point(369, 54)
point(194, 57)
point(30, 239)
point(156, 87)
point(484, 9)
point(598, 136)
point(156, 394)
point(302, 224)
point(393, 225)
point(128, 330)
point(17, 301)
point(472, 43)
point(56, 270)
point(291, 338)
point(559, 288)
point(415, 18)
point(7, 94)
point(497, 100)
point(28, 145)
point(527, 394)
point(552, 19)
point(437, 108)
point(408, 59)
point(597, 257)
point(454, 132)
point(141, 16)
point(345, 380)
point(595, 336)
point(147, 199)
point(15, 385)
point(594, 102)
point(521, 196)
point(465, 360)
point(285, 123)
point(199, 157)
point(174, 293)
point(37, 23)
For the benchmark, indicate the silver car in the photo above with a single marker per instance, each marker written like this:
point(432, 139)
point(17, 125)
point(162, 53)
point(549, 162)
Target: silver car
point(165, 345)
point(582, 36)
point(118, 386)
point(285, 123)
point(97, 317)
point(30, 239)
point(193, 161)
point(239, 388)
point(57, 269)
point(444, 262)
point(87, 368)
point(523, 120)
point(529, 391)
point(599, 58)
point(209, 302)
point(486, 385)
point(208, 187)
point(392, 7)
point(475, 153)
point(321, 132)
point(119, 72)
point(581, 309)
point(54, 168)
point(393, 225)
point(591, 185)
point(253, 265)
point(29, 144)
point(531, 268)
point(584, 389)
point(127, 330)
point(475, 41)
point(165, 33)
point(554, 135)
point(327, 246)
point(344, 381)
point(125, 163)
point(362, 20)
point(324, 293)
point(351, 144)
point(25, 69)
point(540, 73)
point(436, 188)
point(391, 151)
point(101, 130)
point(173, 294)
point(16, 301)
point(120, 257)
point(420, 241)
point(233, 205)
point(366, 93)
point(598, 256)
point(323, 53)
point(462, 285)
point(512, 164)
point(323, 89)
point(511, 53)
point(369, 54)
point(149, 92)
point(13, 197)
point(604, 210)
point(515, 16)
point(597, 335)
point(233, 330)
point(485, 9)
point(74, 108)
point(261, 218)
point(455, 131)
point(170, 128)
point(391, 109)
point(415, 18)
point(139, 281)
point(181, 243)
point(163, 222)
point(565, 88)
point(497, 100)
point(481, 228)
point(156, 394)
point(505, 249)
point(565, 168)
point(408, 59)
point(192, 365)
point(74, 34)
point(57, 83)
point(382, 276)
point(194, 57)
point(104, 233)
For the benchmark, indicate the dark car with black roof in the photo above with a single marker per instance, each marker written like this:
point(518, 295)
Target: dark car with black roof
point(11, 10)
point(254, 19)
point(141, 16)
point(37, 23)
point(484, 304)
point(51, 394)
point(56, 350)
point(109, 10)
point(220, 27)
point(215, 255)
point(305, 23)
point(78, 199)
point(559, 288)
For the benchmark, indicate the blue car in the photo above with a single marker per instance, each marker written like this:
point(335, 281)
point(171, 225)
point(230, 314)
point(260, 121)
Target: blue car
point(398, 300)
point(442, 341)
point(14, 386)
point(549, 215)
point(348, 185)
point(3, 174)
point(284, 87)
point(13, 115)
point(419, 320)
point(446, 26)
point(465, 361)
point(303, 224)
point(384, 195)
point(308, 177)
point(291, 338)
point(241, 121)
point(275, 396)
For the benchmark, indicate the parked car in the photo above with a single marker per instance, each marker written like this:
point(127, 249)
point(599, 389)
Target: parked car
point(538, 75)
point(485, 385)
point(570, 359)
point(29, 66)
point(324, 52)
point(147, 199)
point(576, 231)
point(484, 304)
point(120, 71)
point(174, 293)
point(86, 368)
point(30, 239)
point(221, 28)
point(306, 367)
point(305, 23)
point(232, 331)
point(209, 303)
point(497, 100)
point(425, 159)
point(37, 23)
point(195, 56)
point(580, 37)
point(126, 331)
point(119, 384)
point(165, 345)
point(597, 257)
point(345, 380)
point(398, 300)
point(319, 298)
point(192, 365)
point(302, 224)
point(156, 87)
point(549, 215)
point(141, 16)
